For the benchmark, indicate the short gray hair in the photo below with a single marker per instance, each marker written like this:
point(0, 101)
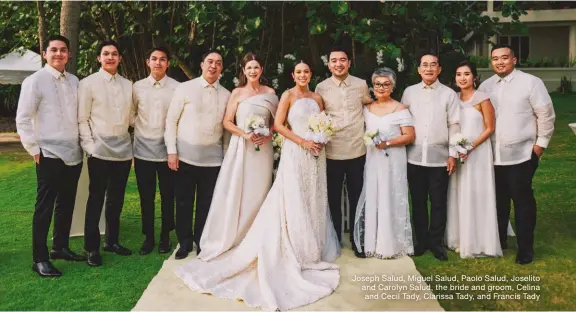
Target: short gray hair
point(385, 72)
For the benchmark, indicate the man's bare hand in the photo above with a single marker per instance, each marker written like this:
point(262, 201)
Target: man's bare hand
point(538, 150)
point(173, 162)
point(451, 165)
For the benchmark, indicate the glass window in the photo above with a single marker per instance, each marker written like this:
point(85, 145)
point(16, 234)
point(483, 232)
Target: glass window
point(520, 45)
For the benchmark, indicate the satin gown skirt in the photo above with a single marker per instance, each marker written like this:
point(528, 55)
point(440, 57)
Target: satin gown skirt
point(285, 259)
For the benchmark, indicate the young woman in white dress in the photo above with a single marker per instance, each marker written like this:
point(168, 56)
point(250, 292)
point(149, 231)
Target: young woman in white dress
point(284, 260)
point(246, 174)
point(472, 226)
point(382, 220)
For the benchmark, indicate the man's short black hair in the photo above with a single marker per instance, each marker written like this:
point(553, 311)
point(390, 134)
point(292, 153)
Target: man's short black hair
point(429, 53)
point(502, 46)
point(205, 54)
point(161, 49)
point(109, 43)
point(56, 38)
point(339, 48)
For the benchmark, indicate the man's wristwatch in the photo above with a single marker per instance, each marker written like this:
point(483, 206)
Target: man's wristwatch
point(387, 143)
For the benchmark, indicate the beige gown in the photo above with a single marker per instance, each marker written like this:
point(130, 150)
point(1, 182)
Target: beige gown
point(243, 182)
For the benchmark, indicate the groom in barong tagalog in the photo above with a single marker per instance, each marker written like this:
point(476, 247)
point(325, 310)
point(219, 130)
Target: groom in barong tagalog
point(343, 96)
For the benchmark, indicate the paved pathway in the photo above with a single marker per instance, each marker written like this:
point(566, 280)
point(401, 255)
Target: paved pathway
point(166, 292)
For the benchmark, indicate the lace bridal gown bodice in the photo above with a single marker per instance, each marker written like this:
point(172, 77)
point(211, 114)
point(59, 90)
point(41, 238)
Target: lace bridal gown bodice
point(284, 260)
point(300, 113)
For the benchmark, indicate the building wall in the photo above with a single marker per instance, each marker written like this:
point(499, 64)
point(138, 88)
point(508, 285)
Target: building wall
point(550, 76)
point(545, 41)
point(550, 42)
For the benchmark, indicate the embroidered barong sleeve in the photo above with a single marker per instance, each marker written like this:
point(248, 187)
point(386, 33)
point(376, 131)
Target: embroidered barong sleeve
point(27, 107)
point(84, 108)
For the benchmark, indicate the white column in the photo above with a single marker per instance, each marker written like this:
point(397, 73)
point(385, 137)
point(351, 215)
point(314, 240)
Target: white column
point(493, 41)
point(490, 6)
point(572, 41)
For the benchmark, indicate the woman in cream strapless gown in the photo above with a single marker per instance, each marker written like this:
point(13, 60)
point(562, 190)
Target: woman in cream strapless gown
point(246, 174)
point(284, 260)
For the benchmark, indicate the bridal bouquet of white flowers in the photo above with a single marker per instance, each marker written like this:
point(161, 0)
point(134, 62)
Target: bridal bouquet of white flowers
point(277, 144)
point(257, 125)
point(461, 145)
point(320, 129)
point(373, 138)
point(277, 141)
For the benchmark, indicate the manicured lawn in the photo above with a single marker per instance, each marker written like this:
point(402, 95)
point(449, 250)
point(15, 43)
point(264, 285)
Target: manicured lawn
point(120, 282)
point(555, 245)
point(115, 286)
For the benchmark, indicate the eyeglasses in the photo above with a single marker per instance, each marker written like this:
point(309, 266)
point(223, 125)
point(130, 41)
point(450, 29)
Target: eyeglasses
point(431, 65)
point(385, 85)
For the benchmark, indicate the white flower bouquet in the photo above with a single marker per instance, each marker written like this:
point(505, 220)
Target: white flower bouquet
point(320, 129)
point(461, 145)
point(277, 141)
point(373, 138)
point(277, 144)
point(257, 125)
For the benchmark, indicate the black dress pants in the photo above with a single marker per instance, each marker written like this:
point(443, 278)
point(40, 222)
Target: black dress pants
point(56, 194)
point(514, 183)
point(107, 182)
point(193, 183)
point(146, 173)
point(424, 183)
point(336, 170)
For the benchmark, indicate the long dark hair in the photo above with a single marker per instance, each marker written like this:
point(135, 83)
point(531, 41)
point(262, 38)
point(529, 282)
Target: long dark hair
point(242, 79)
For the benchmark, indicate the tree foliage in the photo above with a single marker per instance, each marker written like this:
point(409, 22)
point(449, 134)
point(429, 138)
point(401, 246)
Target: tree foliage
point(395, 30)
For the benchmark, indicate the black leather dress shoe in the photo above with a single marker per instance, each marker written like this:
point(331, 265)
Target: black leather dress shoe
point(66, 254)
point(359, 254)
point(419, 250)
point(94, 258)
point(164, 246)
point(525, 258)
point(147, 247)
point(182, 253)
point(118, 249)
point(46, 269)
point(439, 253)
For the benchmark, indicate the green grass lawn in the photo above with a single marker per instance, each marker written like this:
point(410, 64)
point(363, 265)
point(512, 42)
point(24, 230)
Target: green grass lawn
point(117, 285)
point(120, 282)
point(555, 240)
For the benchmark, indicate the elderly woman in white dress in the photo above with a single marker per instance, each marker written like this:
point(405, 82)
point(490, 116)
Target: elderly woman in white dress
point(382, 220)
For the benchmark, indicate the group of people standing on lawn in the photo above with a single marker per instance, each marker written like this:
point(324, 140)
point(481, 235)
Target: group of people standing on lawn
point(272, 242)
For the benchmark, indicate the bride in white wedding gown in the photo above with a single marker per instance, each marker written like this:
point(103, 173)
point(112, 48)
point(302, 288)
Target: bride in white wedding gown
point(284, 260)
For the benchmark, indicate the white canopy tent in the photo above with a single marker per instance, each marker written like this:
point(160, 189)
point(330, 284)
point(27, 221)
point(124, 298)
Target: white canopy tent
point(17, 65)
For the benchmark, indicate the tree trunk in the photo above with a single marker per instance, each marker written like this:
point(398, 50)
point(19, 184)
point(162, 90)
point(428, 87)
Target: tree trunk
point(282, 37)
point(41, 26)
point(183, 66)
point(70, 28)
